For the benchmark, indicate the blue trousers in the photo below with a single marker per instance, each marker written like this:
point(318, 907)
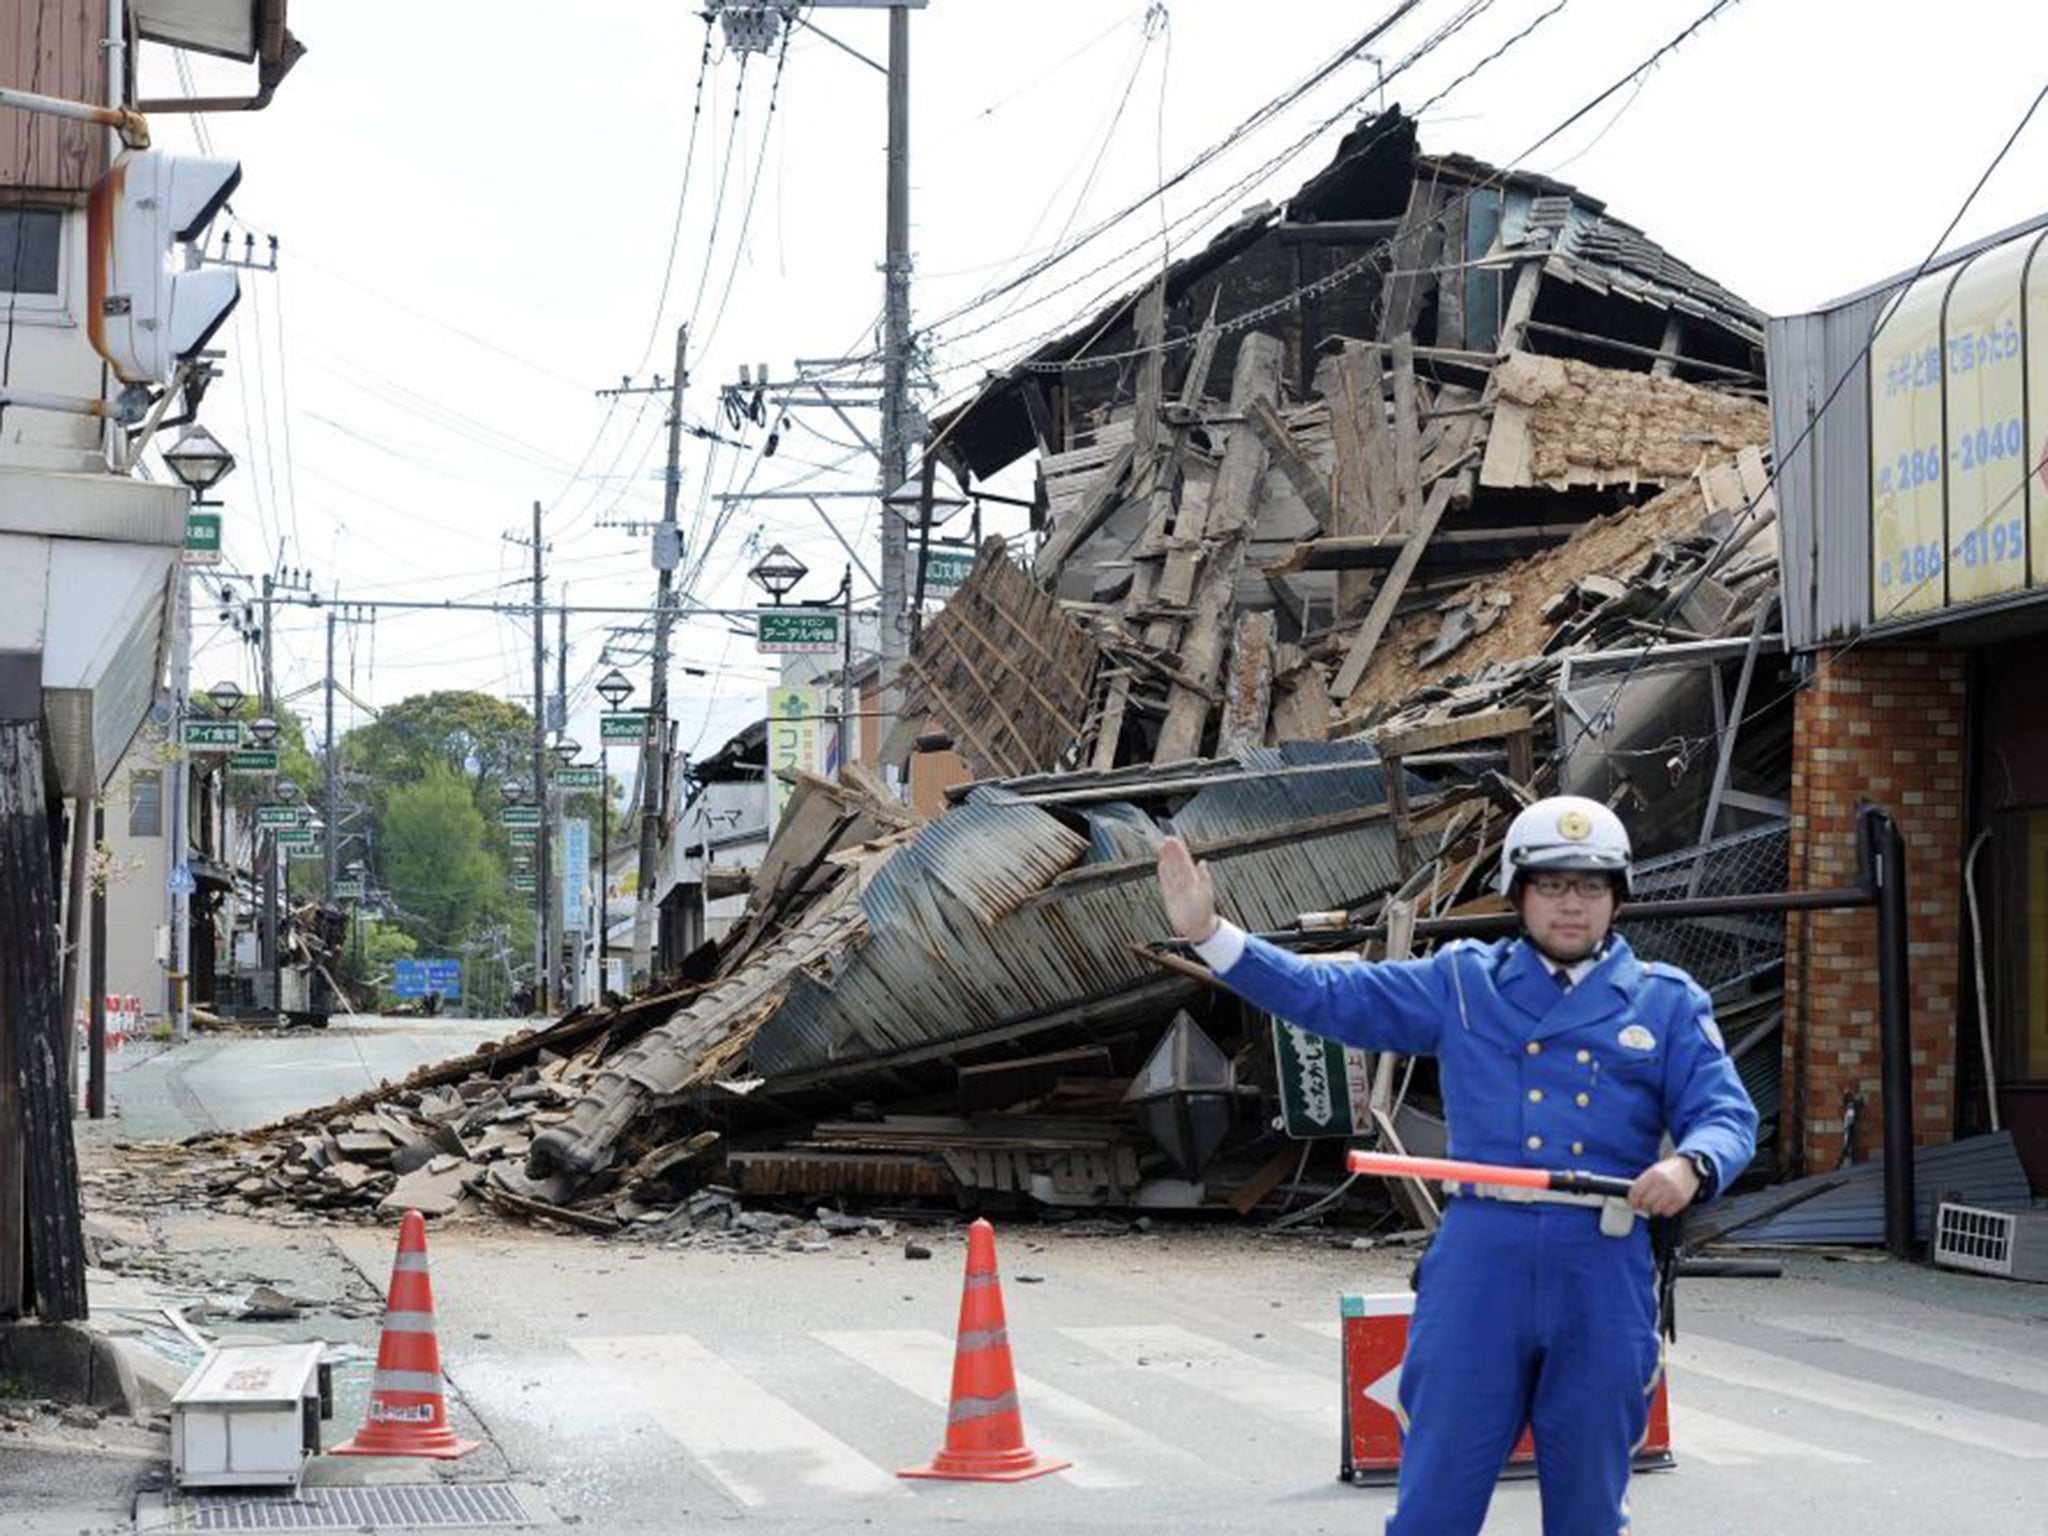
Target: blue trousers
point(1526, 1315)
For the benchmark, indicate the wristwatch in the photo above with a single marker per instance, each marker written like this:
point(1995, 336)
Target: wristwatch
point(1703, 1165)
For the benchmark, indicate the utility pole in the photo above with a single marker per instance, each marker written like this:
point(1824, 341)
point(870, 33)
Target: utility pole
point(270, 958)
point(179, 997)
point(894, 638)
point(543, 847)
point(561, 713)
point(654, 746)
point(332, 798)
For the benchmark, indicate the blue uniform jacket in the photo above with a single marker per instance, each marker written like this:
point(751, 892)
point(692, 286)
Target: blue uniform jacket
point(1591, 1078)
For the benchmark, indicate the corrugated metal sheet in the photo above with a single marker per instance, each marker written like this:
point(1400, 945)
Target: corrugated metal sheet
point(1120, 831)
point(936, 966)
point(995, 914)
point(1825, 484)
point(1984, 1170)
point(1228, 811)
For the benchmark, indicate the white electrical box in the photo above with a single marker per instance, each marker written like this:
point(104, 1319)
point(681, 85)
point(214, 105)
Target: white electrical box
point(248, 1416)
point(2012, 1243)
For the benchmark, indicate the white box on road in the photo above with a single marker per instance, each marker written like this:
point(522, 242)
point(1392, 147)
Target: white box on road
point(247, 1416)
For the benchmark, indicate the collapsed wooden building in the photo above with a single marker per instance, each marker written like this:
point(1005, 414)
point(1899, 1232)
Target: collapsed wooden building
point(1434, 488)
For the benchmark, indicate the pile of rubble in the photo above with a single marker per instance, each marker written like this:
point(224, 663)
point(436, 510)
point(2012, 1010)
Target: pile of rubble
point(1328, 584)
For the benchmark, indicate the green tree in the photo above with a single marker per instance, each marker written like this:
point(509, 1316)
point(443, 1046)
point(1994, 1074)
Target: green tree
point(443, 879)
point(483, 740)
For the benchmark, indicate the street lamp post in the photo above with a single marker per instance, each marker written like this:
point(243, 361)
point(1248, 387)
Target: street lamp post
point(263, 732)
point(565, 753)
point(614, 688)
point(199, 463)
point(286, 790)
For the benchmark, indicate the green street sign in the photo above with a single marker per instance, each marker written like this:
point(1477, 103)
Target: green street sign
point(296, 837)
point(519, 816)
point(1324, 1087)
point(312, 849)
point(202, 538)
point(796, 632)
point(212, 735)
point(945, 570)
point(522, 837)
point(579, 778)
point(280, 815)
point(348, 890)
point(523, 883)
point(630, 726)
point(253, 760)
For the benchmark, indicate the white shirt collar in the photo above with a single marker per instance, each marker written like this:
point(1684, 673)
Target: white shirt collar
point(1575, 972)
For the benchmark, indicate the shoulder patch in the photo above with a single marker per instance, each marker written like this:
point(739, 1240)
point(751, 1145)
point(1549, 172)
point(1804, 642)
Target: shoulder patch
point(1712, 1031)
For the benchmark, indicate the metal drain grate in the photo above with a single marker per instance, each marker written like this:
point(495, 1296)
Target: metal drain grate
point(408, 1506)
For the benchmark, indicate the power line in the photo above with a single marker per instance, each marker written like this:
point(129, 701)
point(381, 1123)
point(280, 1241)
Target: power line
point(1250, 125)
point(1884, 318)
point(1234, 190)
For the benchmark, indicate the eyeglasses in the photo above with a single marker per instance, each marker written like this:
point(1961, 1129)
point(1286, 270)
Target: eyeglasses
point(1587, 887)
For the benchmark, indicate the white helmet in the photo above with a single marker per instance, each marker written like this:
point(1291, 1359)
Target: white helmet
point(1565, 832)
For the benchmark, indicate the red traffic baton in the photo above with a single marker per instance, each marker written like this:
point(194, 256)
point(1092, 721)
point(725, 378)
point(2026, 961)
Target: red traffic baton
point(1389, 1165)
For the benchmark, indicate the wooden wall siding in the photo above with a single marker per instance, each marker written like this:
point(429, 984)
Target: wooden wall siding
point(1003, 669)
point(41, 154)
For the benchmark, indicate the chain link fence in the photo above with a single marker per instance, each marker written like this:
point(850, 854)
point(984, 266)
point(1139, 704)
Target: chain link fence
point(1716, 950)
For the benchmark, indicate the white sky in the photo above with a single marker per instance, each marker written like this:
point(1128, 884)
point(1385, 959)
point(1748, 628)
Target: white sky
point(475, 200)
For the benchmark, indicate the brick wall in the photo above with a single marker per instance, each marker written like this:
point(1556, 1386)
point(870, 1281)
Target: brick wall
point(1886, 725)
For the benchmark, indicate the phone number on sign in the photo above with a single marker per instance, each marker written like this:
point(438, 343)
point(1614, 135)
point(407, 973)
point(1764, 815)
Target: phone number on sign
point(2001, 542)
point(1972, 450)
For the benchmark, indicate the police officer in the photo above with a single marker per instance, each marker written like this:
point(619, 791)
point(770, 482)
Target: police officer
point(1557, 1048)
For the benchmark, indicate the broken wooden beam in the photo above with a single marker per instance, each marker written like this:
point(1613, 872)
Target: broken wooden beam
point(1248, 692)
point(1292, 462)
point(1367, 640)
point(1230, 506)
point(1455, 548)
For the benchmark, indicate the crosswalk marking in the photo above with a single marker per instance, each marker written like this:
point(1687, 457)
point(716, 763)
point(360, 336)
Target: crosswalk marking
point(1963, 1356)
point(1756, 1370)
point(1306, 1402)
point(755, 1444)
point(1056, 1423)
point(764, 1451)
point(1699, 1435)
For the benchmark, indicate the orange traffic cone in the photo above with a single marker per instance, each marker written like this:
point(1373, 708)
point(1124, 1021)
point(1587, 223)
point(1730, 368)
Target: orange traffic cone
point(408, 1415)
point(984, 1428)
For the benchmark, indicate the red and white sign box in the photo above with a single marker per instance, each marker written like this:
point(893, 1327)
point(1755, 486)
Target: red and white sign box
point(1375, 1341)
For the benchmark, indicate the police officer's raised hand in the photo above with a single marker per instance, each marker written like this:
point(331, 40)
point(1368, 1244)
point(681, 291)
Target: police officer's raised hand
point(1189, 894)
point(1665, 1188)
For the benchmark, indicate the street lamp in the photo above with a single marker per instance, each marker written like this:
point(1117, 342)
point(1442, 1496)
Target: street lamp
point(227, 697)
point(909, 500)
point(199, 461)
point(615, 688)
point(287, 790)
point(566, 751)
point(263, 730)
point(777, 573)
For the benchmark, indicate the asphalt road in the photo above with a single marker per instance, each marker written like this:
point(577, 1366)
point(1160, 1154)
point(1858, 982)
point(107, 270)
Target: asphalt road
point(1190, 1373)
point(234, 1081)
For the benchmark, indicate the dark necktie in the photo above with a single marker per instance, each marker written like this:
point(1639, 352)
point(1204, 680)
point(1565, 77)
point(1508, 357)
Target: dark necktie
point(1563, 980)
